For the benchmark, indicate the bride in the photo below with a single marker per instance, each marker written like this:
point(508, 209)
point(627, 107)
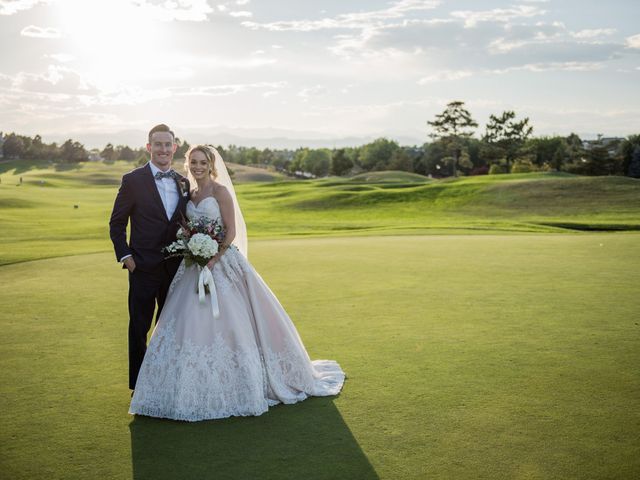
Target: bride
point(248, 358)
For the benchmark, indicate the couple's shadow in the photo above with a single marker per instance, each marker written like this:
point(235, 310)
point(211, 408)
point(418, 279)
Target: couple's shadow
point(309, 440)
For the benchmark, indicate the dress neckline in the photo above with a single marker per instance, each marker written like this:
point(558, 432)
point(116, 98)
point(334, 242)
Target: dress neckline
point(202, 201)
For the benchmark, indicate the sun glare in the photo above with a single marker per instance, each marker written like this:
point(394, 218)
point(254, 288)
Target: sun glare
point(112, 39)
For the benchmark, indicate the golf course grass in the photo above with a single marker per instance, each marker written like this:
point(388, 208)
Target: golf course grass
point(64, 209)
point(508, 350)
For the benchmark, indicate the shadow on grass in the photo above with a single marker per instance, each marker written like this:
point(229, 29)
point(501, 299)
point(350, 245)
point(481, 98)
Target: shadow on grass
point(24, 165)
point(308, 440)
point(21, 166)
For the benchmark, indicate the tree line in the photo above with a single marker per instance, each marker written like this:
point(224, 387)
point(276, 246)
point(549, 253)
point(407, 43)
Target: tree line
point(507, 145)
point(16, 146)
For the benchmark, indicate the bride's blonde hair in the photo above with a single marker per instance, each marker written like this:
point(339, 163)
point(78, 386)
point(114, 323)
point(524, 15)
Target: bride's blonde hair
point(209, 155)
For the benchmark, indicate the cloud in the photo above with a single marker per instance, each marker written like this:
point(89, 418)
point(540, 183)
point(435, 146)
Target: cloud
point(61, 57)
point(315, 91)
point(9, 7)
point(242, 13)
point(445, 75)
point(224, 90)
point(633, 41)
point(549, 66)
point(593, 33)
point(450, 46)
point(472, 18)
point(181, 10)
point(358, 20)
point(40, 32)
point(55, 80)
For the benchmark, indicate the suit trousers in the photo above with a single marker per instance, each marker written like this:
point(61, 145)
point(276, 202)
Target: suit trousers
point(146, 291)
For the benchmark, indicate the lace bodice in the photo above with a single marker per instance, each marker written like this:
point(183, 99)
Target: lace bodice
point(208, 207)
point(232, 264)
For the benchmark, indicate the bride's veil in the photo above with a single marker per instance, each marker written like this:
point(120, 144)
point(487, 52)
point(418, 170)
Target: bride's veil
point(223, 178)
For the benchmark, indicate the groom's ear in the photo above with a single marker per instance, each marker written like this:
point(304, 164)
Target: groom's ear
point(149, 147)
point(175, 147)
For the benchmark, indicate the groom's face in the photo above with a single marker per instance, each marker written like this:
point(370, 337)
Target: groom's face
point(162, 148)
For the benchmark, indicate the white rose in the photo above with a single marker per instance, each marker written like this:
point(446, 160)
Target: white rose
point(202, 245)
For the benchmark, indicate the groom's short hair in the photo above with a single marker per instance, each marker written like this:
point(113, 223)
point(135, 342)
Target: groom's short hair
point(161, 128)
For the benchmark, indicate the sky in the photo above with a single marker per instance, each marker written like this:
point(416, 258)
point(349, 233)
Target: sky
point(252, 71)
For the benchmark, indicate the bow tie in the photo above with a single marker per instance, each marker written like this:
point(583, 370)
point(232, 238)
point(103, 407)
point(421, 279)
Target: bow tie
point(168, 174)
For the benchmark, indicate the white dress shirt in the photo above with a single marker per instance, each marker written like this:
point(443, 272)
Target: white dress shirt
point(169, 194)
point(168, 191)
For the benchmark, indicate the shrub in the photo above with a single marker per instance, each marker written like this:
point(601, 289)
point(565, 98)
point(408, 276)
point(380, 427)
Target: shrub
point(496, 169)
point(483, 170)
point(523, 166)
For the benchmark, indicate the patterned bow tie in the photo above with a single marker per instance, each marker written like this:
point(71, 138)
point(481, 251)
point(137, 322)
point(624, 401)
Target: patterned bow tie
point(168, 174)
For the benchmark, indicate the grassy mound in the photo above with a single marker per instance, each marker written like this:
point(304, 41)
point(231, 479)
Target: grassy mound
point(64, 210)
point(525, 202)
point(247, 174)
point(390, 176)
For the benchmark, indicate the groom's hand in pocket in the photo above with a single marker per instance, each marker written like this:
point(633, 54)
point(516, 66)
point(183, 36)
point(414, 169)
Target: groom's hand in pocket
point(130, 263)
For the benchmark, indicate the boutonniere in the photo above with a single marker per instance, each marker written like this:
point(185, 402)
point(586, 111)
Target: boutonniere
point(183, 187)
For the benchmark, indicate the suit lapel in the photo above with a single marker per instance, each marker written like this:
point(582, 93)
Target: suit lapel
point(150, 184)
point(182, 199)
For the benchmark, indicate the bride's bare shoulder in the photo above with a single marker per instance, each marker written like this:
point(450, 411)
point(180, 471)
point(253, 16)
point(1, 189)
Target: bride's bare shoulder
point(221, 193)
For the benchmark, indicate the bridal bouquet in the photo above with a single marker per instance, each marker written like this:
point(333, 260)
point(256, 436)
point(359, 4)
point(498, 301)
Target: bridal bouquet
point(197, 241)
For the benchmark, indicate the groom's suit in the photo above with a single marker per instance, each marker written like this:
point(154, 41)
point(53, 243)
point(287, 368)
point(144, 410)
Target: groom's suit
point(152, 227)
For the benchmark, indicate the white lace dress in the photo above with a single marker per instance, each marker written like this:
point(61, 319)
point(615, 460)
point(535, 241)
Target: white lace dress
point(251, 357)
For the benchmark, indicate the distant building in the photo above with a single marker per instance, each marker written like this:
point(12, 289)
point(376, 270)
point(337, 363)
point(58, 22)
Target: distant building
point(610, 143)
point(94, 155)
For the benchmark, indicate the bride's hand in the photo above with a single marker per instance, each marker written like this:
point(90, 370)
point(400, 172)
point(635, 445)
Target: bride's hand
point(217, 256)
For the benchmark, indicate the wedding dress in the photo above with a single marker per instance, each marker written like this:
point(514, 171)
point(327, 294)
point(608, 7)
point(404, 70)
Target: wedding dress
point(247, 359)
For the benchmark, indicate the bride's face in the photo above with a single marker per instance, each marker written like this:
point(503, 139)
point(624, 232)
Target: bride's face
point(199, 165)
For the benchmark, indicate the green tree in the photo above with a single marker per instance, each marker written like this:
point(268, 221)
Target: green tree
point(51, 151)
point(431, 161)
point(36, 148)
point(551, 152)
point(13, 146)
point(182, 149)
point(317, 162)
point(452, 126)
point(633, 169)
point(507, 134)
point(109, 153)
point(296, 164)
point(401, 160)
point(281, 159)
point(575, 148)
point(377, 154)
point(340, 162)
point(73, 152)
point(124, 152)
point(597, 161)
point(266, 157)
point(628, 149)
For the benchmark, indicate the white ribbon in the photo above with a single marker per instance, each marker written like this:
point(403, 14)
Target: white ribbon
point(206, 278)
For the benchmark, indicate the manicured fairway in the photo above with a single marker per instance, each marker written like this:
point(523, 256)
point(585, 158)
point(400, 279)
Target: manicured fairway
point(468, 357)
point(64, 209)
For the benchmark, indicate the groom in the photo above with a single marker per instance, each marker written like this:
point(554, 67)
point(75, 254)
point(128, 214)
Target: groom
point(152, 198)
